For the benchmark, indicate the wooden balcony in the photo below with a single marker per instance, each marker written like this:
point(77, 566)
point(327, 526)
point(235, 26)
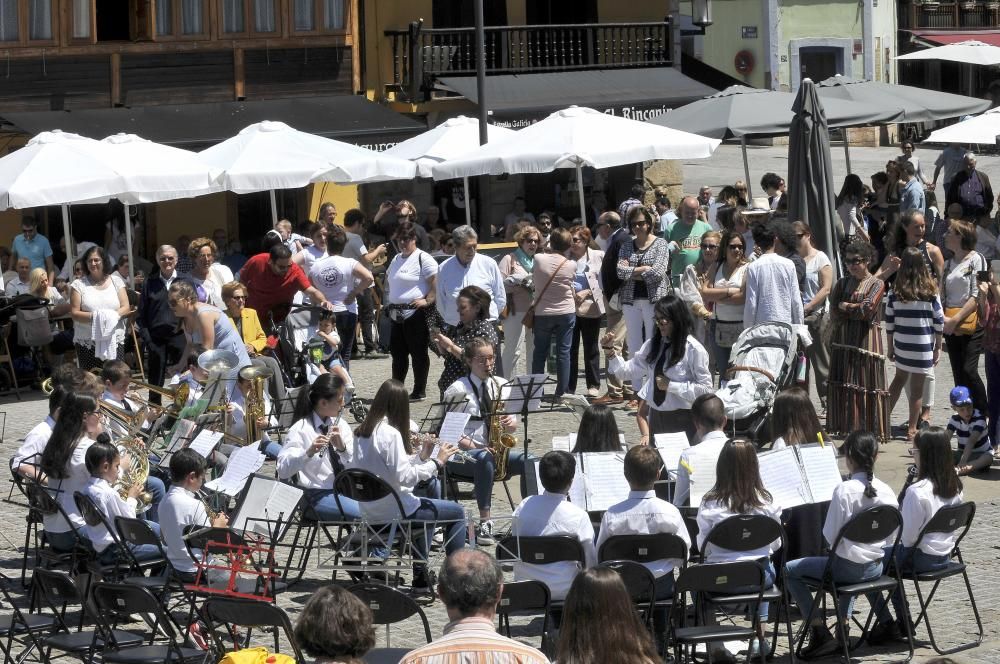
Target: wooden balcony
point(419, 54)
point(944, 15)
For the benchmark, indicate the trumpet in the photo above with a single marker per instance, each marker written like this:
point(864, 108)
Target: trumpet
point(179, 395)
point(417, 440)
point(47, 387)
point(131, 420)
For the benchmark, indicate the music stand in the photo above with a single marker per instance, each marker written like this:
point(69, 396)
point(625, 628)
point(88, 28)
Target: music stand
point(524, 392)
point(431, 424)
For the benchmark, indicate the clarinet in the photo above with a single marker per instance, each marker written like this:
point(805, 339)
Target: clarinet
point(911, 477)
point(329, 445)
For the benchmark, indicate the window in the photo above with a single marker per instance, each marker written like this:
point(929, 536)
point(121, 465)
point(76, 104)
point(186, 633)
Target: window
point(40, 19)
point(8, 20)
point(164, 17)
point(263, 16)
point(81, 19)
point(233, 16)
point(333, 14)
point(192, 17)
point(305, 15)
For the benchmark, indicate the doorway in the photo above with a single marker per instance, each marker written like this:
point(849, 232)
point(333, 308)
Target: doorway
point(818, 63)
point(113, 20)
point(452, 14)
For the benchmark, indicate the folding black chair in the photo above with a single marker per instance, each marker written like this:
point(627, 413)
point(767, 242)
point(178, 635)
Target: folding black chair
point(59, 593)
point(33, 520)
point(524, 598)
point(46, 506)
point(704, 579)
point(748, 532)
point(389, 606)
point(640, 584)
point(163, 580)
point(93, 517)
point(114, 600)
point(542, 550)
point(947, 520)
point(228, 613)
point(20, 628)
point(872, 526)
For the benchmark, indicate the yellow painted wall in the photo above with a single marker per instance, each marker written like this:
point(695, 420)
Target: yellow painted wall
point(344, 197)
point(723, 39)
point(194, 217)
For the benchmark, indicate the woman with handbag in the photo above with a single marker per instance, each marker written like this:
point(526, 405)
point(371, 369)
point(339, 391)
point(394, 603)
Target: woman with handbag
point(589, 309)
point(516, 269)
point(989, 308)
point(553, 312)
point(963, 331)
point(724, 288)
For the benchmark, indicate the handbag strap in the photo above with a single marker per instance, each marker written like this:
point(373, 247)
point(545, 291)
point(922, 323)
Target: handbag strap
point(549, 282)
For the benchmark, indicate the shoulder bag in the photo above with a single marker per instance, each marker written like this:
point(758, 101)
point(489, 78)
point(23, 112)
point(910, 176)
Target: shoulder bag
point(529, 313)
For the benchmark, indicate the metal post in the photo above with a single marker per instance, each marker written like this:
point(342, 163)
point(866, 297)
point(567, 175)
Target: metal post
point(128, 248)
point(274, 209)
point(847, 150)
point(468, 202)
point(481, 70)
point(579, 186)
point(68, 236)
point(746, 164)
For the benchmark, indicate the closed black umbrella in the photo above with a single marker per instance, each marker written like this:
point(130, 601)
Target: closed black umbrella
point(811, 193)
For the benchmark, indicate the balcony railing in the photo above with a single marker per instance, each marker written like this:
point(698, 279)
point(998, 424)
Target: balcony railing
point(419, 54)
point(980, 14)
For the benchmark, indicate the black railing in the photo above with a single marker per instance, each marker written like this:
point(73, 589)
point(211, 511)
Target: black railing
point(980, 14)
point(421, 54)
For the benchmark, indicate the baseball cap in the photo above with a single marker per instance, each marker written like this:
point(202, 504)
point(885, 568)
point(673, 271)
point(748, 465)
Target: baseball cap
point(960, 396)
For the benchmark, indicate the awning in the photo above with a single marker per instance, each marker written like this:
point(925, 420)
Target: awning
point(632, 93)
point(349, 118)
point(942, 37)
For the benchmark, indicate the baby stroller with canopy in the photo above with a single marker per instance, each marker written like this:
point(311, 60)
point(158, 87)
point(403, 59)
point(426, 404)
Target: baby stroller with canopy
point(761, 364)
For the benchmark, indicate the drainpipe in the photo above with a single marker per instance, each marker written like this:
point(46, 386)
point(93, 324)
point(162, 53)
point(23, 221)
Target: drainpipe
point(868, 42)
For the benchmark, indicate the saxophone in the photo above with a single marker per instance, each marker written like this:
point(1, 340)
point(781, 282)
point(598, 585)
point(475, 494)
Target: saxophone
point(500, 442)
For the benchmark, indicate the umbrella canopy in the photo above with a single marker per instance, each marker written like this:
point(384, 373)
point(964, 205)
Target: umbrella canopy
point(577, 137)
point(981, 129)
point(969, 52)
point(152, 172)
point(811, 196)
point(453, 138)
point(740, 111)
point(918, 104)
point(272, 155)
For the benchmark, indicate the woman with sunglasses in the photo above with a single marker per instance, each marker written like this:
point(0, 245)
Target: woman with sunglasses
point(694, 277)
point(516, 269)
point(819, 281)
point(247, 323)
point(723, 287)
point(856, 389)
point(908, 156)
point(588, 311)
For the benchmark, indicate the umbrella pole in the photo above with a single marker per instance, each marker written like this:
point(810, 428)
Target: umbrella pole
point(68, 236)
point(468, 203)
point(579, 188)
point(847, 150)
point(128, 248)
point(274, 209)
point(746, 164)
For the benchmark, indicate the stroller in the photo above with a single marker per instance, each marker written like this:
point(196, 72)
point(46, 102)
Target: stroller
point(33, 331)
point(761, 364)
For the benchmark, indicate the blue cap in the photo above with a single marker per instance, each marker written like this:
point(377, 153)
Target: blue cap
point(960, 396)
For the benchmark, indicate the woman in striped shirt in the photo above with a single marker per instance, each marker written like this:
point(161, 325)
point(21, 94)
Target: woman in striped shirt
point(914, 323)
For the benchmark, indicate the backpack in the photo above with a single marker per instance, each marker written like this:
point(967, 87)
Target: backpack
point(256, 656)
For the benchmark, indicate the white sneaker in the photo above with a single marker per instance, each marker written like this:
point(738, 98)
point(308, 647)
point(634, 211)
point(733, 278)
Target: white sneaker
point(484, 533)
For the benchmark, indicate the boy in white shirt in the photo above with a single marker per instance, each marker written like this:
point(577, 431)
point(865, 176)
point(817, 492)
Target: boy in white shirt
point(103, 463)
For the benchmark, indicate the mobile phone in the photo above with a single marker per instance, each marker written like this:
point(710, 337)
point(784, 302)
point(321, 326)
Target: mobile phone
point(984, 275)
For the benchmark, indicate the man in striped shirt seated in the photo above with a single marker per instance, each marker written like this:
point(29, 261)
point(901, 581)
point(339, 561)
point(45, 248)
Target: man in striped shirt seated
point(470, 585)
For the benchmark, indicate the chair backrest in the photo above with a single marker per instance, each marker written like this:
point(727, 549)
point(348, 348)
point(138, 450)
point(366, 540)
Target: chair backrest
point(644, 548)
point(528, 595)
point(724, 578)
point(245, 612)
point(113, 600)
point(388, 605)
point(638, 580)
point(18, 619)
point(950, 520)
point(745, 532)
point(40, 499)
point(364, 487)
point(541, 549)
point(92, 516)
point(58, 591)
point(870, 526)
point(136, 532)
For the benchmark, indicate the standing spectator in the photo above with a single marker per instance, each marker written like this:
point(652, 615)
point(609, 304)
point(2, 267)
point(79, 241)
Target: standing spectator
point(913, 325)
point(664, 211)
point(288, 238)
point(727, 198)
point(205, 273)
point(774, 186)
point(335, 626)
point(818, 283)
point(327, 214)
point(685, 237)
point(601, 623)
point(6, 263)
point(963, 331)
point(589, 308)
point(912, 195)
point(432, 219)
point(544, 226)
point(950, 160)
point(724, 288)
point(100, 308)
point(695, 277)
point(158, 326)
point(636, 194)
point(856, 388)
point(204, 326)
point(519, 213)
point(355, 248)
point(516, 268)
point(642, 265)
point(247, 323)
point(935, 232)
point(33, 246)
point(705, 197)
point(411, 284)
point(317, 232)
point(851, 203)
point(786, 244)
point(20, 284)
point(909, 157)
point(555, 307)
point(987, 234)
point(183, 260)
point(470, 584)
point(272, 280)
point(467, 268)
point(473, 312)
point(390, 216)
point(971, 187)
point(341, 280)
point(771, 285)
point(989, 293)
point(612, 285)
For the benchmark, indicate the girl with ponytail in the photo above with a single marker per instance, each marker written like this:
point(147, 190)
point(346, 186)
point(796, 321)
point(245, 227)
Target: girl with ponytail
point(852, 562)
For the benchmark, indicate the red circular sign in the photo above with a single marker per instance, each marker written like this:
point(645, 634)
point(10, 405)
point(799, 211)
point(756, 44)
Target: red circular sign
point(743, 62)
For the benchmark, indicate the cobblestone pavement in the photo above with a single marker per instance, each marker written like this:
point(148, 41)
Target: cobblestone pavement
point(951, 611)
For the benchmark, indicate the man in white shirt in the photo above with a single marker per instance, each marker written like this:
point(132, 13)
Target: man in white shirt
point(356, 249)
point(549, 513)
point(771, 285)
point(467, 268)
point(21, 284)
point(709, 415)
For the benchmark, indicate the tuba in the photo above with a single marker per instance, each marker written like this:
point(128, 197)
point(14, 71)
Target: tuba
point(254, 402)
point(500, 442)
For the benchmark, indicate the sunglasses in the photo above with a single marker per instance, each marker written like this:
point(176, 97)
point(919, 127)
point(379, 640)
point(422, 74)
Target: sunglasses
point(706, 247)
point(856, 261)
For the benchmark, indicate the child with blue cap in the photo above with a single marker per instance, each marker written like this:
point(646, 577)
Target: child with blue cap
point(975, 453)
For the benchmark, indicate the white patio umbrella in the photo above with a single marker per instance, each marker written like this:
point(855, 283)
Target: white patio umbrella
point(983, 128)
point(970, 52)
point(452, 138)
point(271, 155)
point(573, 138)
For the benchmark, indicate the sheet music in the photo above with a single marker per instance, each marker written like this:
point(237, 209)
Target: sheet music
point(243, 462)
point(281, 504)
point(205, 442)
point(528, 386)
point(701, 475)
point(453, 427)
point(604, 478)
point(266, 499)
point(670, 446)
point(572, 442)
point(819, 463)
point(782, 476)
point(182, 433)
point(562, 443)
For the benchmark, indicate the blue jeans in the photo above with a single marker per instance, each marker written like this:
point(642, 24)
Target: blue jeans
point(157, 489)
point(910, 559)
point(272, 449)
point(324, 505)
point(142, 552)
point(993, 394)
point(844, 572)
point(482, 473)
point(547, 329)
point(439, 510)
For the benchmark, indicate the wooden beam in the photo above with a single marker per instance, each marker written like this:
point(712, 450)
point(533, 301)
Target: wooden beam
point(239, 74)
point(177, 46)
point(352, 7)
point(116, 79)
